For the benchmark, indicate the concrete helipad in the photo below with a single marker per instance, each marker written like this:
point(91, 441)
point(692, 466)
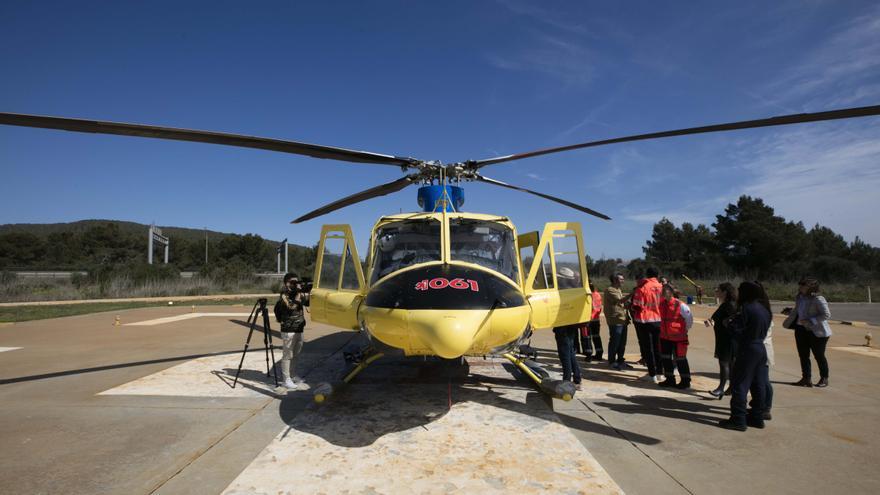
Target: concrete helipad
point(90, 407)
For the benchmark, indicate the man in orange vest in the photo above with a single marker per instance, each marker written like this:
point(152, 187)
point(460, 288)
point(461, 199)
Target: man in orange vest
point(645, 309)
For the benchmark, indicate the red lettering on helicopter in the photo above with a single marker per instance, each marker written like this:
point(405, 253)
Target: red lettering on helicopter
point(442, 283)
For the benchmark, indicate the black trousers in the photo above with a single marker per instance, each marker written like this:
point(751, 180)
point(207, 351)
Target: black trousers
point(672, 360)
point(807, 342)
point(565, 338)
point(749, 375)
point(649, 345)
point(591, 344)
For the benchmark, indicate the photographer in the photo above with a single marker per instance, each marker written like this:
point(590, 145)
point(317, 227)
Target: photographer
point(294, 296)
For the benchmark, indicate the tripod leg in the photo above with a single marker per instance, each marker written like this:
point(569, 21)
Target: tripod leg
point(247, 344)
point(270, 347)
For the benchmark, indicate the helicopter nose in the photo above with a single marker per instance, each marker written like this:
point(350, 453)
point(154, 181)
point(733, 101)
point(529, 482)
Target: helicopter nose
point(449, 334)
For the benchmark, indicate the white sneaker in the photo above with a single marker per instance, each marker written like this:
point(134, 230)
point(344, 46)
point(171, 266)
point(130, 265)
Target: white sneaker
point(298, 380)
point(289, 384)
point(657, 379)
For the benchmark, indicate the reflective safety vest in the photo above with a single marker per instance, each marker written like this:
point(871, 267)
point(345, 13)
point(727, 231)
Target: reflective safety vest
point(597, 306)
point(672, 324)
point(646, 301)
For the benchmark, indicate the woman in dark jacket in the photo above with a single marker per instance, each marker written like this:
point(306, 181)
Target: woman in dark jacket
point(725, 294)
point(749, 328)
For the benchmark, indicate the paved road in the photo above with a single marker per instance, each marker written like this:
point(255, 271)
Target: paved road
point(57, 434)
point(869, 313)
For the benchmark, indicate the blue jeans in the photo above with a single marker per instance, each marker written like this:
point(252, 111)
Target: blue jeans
point(565, 338)
point(616, 343)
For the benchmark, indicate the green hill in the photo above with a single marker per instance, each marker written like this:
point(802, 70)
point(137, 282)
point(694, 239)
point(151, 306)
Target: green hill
point(85, 244)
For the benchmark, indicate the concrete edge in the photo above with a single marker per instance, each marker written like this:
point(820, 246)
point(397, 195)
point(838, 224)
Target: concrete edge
point(217, 297)
point(852, 323)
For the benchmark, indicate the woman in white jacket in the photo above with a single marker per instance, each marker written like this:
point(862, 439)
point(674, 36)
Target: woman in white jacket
point(809, 319)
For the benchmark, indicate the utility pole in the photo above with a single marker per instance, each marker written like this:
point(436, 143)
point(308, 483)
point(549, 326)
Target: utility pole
point(281, 247)
point(206, 246)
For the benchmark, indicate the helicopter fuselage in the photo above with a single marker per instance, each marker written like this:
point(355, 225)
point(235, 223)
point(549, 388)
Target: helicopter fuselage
point(449, 284)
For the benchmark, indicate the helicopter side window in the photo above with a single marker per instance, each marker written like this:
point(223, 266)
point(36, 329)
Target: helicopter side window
point(484, 243)
point(401, 244)
point(567, 257)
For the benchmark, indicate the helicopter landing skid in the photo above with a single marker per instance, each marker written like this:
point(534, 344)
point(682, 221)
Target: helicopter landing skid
point(357, 364)
point(554, 388)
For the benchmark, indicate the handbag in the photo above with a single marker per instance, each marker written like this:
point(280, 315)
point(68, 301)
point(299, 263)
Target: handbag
point(790, 320)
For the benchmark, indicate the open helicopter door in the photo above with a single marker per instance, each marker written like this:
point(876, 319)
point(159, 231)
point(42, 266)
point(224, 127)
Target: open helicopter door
point(339, 279)
point(556, 285)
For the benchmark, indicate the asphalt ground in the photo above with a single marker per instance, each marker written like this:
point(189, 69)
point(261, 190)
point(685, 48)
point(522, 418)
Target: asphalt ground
point(859, 312)
point(60, 434)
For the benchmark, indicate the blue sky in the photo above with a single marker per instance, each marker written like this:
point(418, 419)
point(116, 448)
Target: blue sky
point(447, 81)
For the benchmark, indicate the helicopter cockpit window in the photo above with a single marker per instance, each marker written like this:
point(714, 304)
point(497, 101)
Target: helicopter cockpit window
point(484, 243)
point(401, 244)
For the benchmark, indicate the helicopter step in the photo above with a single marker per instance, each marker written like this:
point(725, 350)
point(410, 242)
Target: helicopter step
point(356, 361)
point(555, 388)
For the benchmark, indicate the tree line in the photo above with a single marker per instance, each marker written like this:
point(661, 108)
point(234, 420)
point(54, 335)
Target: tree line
point(748, 240)
point(110, 247)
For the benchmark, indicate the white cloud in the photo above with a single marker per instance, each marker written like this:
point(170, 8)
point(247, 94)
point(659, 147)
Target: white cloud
point(620, 162)
point(551, 18)
point(843, 70)
point(562, 60)
point(827, 174)
point(695, 212)
point(535, 177)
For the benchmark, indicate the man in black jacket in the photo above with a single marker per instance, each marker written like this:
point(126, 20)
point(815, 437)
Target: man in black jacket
point(292, 326)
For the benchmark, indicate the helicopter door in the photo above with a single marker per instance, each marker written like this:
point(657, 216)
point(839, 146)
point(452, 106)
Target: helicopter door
point(339, 279)
point(557, 285)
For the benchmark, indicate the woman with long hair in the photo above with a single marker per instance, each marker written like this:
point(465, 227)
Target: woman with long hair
point(725, 294)
point(749, 328)
point(809, 320)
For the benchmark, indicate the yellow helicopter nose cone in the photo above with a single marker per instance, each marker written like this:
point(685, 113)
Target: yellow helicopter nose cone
point(449, 334)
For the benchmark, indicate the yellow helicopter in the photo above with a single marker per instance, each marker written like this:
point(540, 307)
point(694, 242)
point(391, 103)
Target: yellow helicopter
point(440, 282)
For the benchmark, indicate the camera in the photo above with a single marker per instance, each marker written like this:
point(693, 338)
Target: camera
point(305, 285)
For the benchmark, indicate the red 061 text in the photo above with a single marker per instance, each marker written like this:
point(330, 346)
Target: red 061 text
point(442, 283)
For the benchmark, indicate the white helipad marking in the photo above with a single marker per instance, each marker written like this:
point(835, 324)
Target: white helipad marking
point(209, 376)
point(403, 438)
point(864, 351)
point(187, 316)
point(4, 349)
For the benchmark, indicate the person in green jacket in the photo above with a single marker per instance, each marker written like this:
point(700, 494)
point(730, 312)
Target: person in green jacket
point(614, 304)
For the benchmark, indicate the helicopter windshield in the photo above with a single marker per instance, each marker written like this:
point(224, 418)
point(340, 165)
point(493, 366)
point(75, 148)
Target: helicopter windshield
point(405, 243)
point(484, 243)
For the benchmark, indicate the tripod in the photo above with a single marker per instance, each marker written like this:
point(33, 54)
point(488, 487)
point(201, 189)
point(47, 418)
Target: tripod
point(259, 308)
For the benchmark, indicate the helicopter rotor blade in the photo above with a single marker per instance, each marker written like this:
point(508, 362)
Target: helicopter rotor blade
point(561, 201)
point(371, 193)
point(798, 118)
point(149, 131)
